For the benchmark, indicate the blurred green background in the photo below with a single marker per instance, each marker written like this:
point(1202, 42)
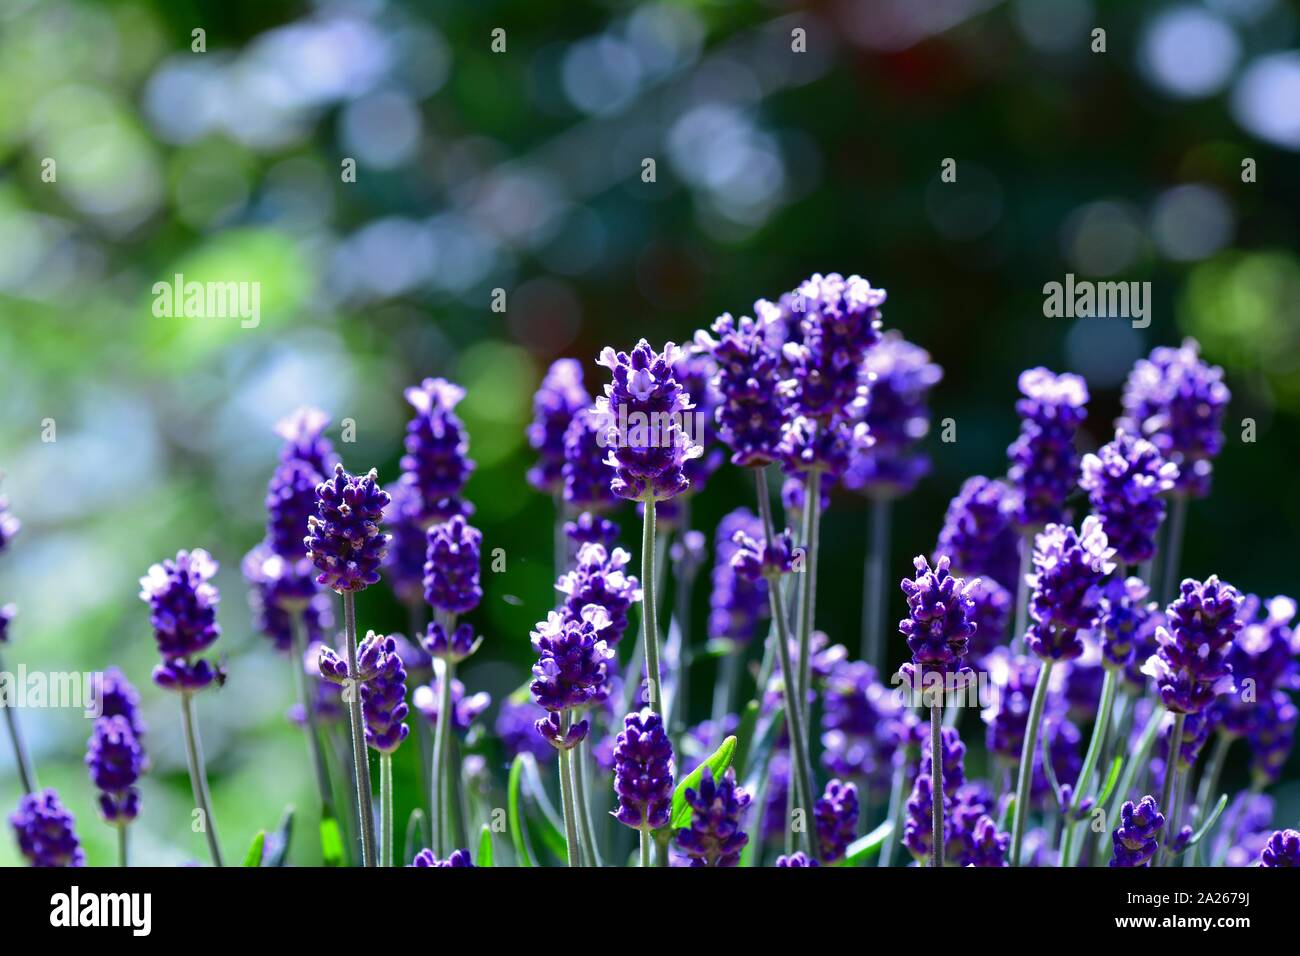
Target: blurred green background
point(521, 170)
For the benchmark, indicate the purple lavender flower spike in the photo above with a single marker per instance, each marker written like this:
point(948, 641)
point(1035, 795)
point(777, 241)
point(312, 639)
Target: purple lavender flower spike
point(1272, 736)
point(940, 621)
point(290, 503)
point(408, 544)
point(757, 559)
point(736, 604)
point(183, 612)
point(1125, 481)
point(115, 760)
point(836, 816)
point(436, 462)
point(304, 440)
point(383, 696)
point(918, 828)
point(279, 589)
point(1178, 402)
point(953, 759)
point(457, 646)
point(1044, 464)
point(795, 860)
point(7, 613)
point(750, 413)
point(573, 659)
point(586, 472)
point(1069, 568)
point(117, 698)
point(591, 528)
point(1282, 849)
point(370, 661)
point(696, 370)
point(715, 837)
point(643, 411)
point(559, 397)
point(46, 831)
point(1265, 656)
point(992, 616)
point(1136, 839)
point(451, 570)
point(465, 708)
point(978, 533)
point(1122, 619)
point(1190, 665)
point(9, 525)
point(426, 858)
point(599, 578)
point(553, 732)
point(989, 845)
point(344, 537)
point(899, 376)
point(643, 772)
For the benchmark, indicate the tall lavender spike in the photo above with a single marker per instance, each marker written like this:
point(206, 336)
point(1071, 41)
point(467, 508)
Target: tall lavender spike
point(1126, 481)
point(344, 538)
point(1136, 839)
point(750, 412)
point(978, 532)
point(836, 817)
point(1191, 665)
point(304, 440)
point(1282, 850)
point(560, 396)
point(1069, 568)
point(1044, 464)
point(586, 472)
point(715, 836)
point(737, 603)
point(383, 697)
point(599, 578)
point(451, 568)
point(437, 462)
point(46, 831)
point(643, 774)
point(115, 760)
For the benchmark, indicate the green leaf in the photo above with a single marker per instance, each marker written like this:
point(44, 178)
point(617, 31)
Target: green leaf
point(1044, 740)
point(550, 826)
point(331, 842)
point(1205, 827)
point(514, 810)
point(277, 844)
point(718, 763)
point(1008, 814)
point(485, 855)
point(254, 855)
point(1112, 778)
point(865, 847)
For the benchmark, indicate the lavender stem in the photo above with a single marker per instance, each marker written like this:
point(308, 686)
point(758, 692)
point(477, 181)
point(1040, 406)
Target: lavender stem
point(199, 775)
point(1027, 751)
point(26, 770)
point(1169, 791)
point(812, 539)
point(873, 585)
point(360, 754)
point(567, 796)
point(309, 714)
point(649, 609)
point(386, 806)
point(441, 790)
point(936, 780)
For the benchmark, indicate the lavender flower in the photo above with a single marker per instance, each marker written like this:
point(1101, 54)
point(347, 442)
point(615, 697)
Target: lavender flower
point(290, 503)
point(458, 858)
point(1136, 838)
point(695, 370)
point(836, 818)
point(281, 588)
point(952, 757)
point(643, 772)
point(918, 828)
point(899, 376)
point(1282, 849)
point(978, 533)
point(795, 860)
point(45, 831)
point(573, 659)
point(408, 544)
point(9, 525)
point(343, 537)
point(988, 845)
point(370, 661)
point(736, 604)
point(117, 698)
point(559, 397)
point(457, 646)
point(1264, 656)
point(1123, 617)
point(304, 440)
point(115, 760)
point(644, 409)
point(7, 613)
point(465, 708)
point(586, 472)
point(451, 571)
point(436, 462)
point(1125, 481)
point(992, 616)
point(1044, 463)
point(1190, 664)
point(1271, 737)
point(940, 619)
point(753, 559)
point(591, 528)
point(183, 613)
point(516, 728)
point(750, 413)
point(860, 725)
point(1069, 568)
point(715, 837)
point(1177, 402)
point(600, 578)
point(383, 698)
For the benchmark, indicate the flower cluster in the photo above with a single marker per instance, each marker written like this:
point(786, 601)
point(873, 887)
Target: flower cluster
point(715, 836)
point(573, 663)
point(1125, 481)
point(755, 560)
point(1178, 402)
point(115, 760)
point(795, 861)
point(1069, 568)
point(465, 708)
point(736, 604)
point(344, 537)
point(863, 725)
point(1190, 665)
point(1127, 622)
point(451, 568)
point(643, 772)
point(750, 413)
point(1044, 463)
point(1282, 849)
point(591, 528)
point(46, 831)
point(586, 472)
point(281, 588)
point(455, 646)
point(426, 857)
point(599, 578)
point(1136, 838)
point(183, 612)
point(559, 398)
point(383, 695)
point(436, 463)
point(940, 619)
point(835, 814)
point(978, 533)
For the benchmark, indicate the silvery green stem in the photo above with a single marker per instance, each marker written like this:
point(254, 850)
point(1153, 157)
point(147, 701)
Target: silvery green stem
point(26, 770)
point(812, 515)
point(1026, 774)
point(441, 795)
point(802, 776)
point(568, 798)
point(199, 775)
point(1022, 597)
point(646, 840)
point(873, 585)
point(1095, 747)
point(1209, 785)
point(649, 610)
point(309, 713)
point(360, 755)
point(123, 846)
point(1169, 792)
point(423, 736)
point(936, 780)
point(386, 807)
point(1174, 553)
point(591, 852)
point(896, 786)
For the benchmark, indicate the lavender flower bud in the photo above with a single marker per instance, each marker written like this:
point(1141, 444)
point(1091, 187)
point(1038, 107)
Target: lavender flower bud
point(1282, 849)
point(550, 729)
point(643, 772)
point(115, 760)
point(736, 604)
point(516, 728)
point(456, 647)
point(953, 758)
point(918, 828)
point(451, 571)
point(117, 698)
point(940, 619)
point(1123, 615)
point(1044, 464)
point(836, 818)
point(988, 844)
point(795, 860)
point(343, 537)
point(183, 612)
point(1069, 568)
point(715, 837)
point(1136, 838)
point(591, 528)
point(1190, 664)
point(559, 397)
point(290, 503)
point(383, 697)
point(465, 708)
point(573, 659)
point(978, 533)
point(304, 440)
point(436, 462)
point(755, 560)
point(1125, 481)
point(426, 858)
point(45, 831)
point(599, 578)
point(749, 414)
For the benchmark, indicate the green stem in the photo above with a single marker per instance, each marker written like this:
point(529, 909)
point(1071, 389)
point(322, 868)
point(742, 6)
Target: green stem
point(123, 846)
point(1026, 774)
point(1173, 556)
point(1137, 759)
point(325, 791)
point(1169, 791)
point(812, 537)
point(442, 791)
point(386, 807)
point(1209, 786)
point(936, 780)
point(649, 609)
point(896, 787)
point(567, 796)
point(646, 840)
point(1096, 746)
point(199, 775)
point(26, 770)
point(873, 585)
point(803, 776)
point(581, 757)
point(360, 754)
